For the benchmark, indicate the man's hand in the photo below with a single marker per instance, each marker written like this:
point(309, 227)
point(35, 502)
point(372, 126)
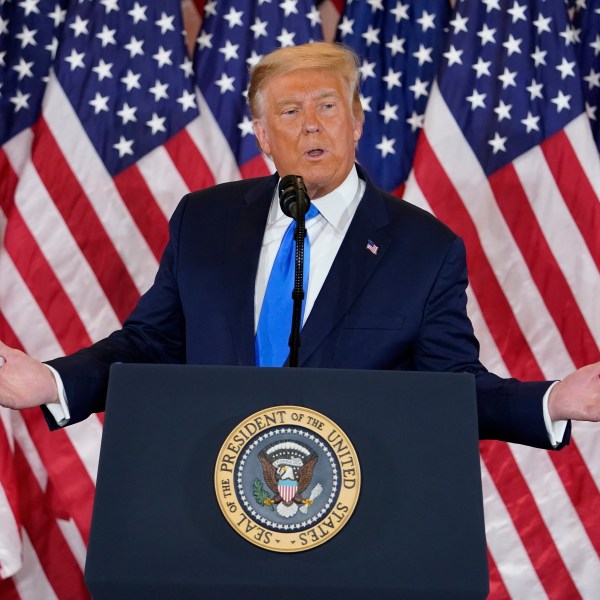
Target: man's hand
point(577, 396)
point(24, 381)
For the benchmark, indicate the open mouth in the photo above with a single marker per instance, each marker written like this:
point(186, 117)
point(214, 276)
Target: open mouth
point(315, 152)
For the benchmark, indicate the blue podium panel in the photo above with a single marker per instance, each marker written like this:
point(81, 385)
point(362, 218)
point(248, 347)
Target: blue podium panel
point(417, 529)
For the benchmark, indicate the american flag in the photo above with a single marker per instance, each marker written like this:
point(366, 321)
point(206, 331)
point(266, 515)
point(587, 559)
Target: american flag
point(506, 157)
point(372, 247)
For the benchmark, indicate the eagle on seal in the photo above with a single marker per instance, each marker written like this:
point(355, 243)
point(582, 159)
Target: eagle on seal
point(288, 469)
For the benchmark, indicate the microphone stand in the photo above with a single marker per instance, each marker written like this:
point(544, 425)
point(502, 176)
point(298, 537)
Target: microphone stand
point(294, 202)
point(297, 293)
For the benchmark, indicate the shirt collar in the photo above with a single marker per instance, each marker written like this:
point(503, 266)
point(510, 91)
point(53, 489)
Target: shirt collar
point(333, 206)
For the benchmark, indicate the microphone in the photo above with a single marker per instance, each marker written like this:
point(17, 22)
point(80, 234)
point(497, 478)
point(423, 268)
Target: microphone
point(293, 197)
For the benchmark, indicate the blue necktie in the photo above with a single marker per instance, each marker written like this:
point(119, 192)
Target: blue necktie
point(275, 321)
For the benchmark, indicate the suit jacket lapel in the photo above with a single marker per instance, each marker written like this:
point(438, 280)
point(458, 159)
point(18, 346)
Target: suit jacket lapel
point(350, 270)
point(245, 230)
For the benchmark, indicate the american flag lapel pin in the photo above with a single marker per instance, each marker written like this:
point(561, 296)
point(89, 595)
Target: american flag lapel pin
point(372, 247)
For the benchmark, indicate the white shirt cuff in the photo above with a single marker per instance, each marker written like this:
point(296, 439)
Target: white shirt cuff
point(60, 412)
point(555, 429)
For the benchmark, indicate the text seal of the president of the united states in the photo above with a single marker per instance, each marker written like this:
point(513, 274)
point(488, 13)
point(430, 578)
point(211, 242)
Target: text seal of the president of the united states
point(287, 478)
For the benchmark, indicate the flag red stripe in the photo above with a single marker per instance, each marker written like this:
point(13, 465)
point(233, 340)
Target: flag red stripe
point(65, 470)
point(8, 591)
point(498, 590)
point(146, 213)
point(8, 184)
point(552, 284)
point(200, 5)
point(581, 488)
point(59, 564)
point(447, 205)
point(189, 161)
point(58, 309)
point(85, 226)
point(399, 191)
point(7, 335)
point(339, 5)
point(575, 188)
point(513, 489)
point(256, 167)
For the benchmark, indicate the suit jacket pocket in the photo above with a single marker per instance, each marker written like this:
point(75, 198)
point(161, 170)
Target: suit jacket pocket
point(373, 341)
point(375, 321)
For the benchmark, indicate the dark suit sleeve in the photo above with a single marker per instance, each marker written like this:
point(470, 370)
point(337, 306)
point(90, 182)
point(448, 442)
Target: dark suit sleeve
point(154, 332)
point(508, 409)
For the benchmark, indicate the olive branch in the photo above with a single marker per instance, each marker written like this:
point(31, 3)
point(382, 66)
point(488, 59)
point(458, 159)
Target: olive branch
point(261, 495)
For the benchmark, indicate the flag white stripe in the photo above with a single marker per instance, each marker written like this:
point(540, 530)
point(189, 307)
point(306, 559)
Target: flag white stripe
point(6, 422)
point(270, 164)
point(23, 313)
point(489, 354)
point(29, 449)
point(74, 540)
point(31, 581)
point(10, 539)
point(18, 149)
point(504, 255)
point(98, 186)
point(588, 442)
point(86, 437)
point(414, 194)
point(164, 180)
point(208, 137)
point(505, 545)
point(579, 133)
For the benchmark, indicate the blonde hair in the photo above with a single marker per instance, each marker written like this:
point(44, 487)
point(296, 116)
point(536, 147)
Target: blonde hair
point(321, 56)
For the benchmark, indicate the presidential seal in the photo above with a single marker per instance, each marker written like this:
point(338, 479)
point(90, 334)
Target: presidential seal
point(287, 479)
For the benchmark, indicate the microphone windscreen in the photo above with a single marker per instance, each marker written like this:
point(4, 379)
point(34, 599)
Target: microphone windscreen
point(293, 196)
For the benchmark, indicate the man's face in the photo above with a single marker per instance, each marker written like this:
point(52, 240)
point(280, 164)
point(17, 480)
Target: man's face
point(308, 129)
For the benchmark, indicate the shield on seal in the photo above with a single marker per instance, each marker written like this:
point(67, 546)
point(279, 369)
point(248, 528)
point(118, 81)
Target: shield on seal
point(287, 490)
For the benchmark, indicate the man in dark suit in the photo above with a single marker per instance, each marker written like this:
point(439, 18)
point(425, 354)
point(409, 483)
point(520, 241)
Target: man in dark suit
point(386, 285)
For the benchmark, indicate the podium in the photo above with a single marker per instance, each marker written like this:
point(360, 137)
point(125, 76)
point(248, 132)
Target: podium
point(158, 532)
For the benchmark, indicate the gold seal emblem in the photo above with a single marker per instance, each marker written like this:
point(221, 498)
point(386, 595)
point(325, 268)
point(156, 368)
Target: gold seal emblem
point(287, 479)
